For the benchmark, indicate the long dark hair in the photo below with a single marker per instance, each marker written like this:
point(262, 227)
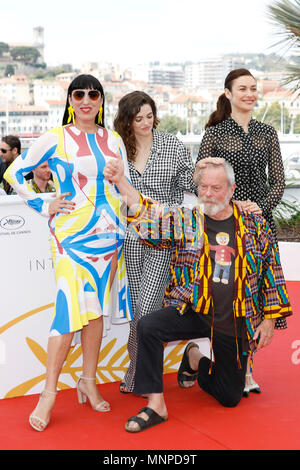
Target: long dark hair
point(82, 82)
point(129, 106)
point(223, 110)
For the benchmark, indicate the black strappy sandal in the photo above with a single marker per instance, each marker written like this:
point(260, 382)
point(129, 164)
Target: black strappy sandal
point(185, 367)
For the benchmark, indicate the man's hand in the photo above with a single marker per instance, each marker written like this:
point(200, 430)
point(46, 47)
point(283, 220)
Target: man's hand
point(157, 207)
point(114, 169)
point(264, 332)
point(202, 164)
point(61, 205)
point(114, 173)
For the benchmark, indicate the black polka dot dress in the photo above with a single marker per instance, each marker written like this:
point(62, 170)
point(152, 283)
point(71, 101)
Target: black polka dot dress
point(257, 163)
point(256, 160)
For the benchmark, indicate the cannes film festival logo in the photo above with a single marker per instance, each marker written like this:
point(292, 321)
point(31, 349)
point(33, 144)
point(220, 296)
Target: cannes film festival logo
point(12, 222)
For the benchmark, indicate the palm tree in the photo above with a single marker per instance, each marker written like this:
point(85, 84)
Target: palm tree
point(285, 15)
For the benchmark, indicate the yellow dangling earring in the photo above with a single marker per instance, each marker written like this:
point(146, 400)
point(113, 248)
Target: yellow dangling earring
point(71, 116)
point(100, 115)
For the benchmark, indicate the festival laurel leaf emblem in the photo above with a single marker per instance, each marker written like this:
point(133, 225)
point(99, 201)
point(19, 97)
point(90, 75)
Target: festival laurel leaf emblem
point(112, 364)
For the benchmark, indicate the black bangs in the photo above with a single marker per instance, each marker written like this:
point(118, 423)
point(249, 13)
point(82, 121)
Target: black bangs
point(85, 81)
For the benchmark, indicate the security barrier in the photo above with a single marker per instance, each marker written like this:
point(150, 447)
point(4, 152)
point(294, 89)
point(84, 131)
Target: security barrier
point(28, 292)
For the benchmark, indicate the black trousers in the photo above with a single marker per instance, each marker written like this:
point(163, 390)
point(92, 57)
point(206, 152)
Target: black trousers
point(226, 381)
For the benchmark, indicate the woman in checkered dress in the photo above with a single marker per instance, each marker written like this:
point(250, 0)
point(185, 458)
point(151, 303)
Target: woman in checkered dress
point(160, 168)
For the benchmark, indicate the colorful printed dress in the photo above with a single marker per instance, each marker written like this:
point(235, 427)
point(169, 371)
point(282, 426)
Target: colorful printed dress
point(87, 243)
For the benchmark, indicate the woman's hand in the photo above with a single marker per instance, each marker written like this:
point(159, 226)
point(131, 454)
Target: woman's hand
point(249, 206)
point(61, 205)
point(202, 164)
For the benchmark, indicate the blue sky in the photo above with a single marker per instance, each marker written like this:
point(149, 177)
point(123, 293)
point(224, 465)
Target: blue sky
point(132, 31)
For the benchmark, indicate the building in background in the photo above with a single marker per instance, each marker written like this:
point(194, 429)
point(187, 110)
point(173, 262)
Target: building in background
point(192, 109)
point(170, 75)
point(31, 105)
point(15, 90)
point(23, 120)
point(210, 73)
point(38, 42)
point(45, 90)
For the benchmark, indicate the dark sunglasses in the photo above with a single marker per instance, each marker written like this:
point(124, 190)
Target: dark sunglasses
point(78, 95)
point(5, 150)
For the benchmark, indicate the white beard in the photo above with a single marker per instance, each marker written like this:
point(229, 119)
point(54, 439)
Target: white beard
point(212, 209)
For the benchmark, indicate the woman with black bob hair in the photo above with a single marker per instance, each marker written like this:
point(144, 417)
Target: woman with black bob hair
point(87, 234)
point(80, 82)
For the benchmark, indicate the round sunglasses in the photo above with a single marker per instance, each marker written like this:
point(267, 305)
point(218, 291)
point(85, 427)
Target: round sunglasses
point(78, 95)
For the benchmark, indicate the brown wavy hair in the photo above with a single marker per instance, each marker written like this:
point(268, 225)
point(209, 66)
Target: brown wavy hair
point(223, 110)
point(129, 106)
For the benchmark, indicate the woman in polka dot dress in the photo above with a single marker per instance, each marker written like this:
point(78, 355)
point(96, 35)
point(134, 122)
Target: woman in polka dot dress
point(252, 148)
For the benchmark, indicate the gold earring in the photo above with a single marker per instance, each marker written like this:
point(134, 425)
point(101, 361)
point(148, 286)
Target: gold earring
point(71, 116)
point(100, 115)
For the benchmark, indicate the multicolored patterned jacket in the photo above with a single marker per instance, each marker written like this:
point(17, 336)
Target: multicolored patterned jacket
point(260, 289)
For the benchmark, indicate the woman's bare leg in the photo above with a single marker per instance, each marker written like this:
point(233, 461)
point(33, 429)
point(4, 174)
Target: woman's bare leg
point(91, 339)
point(57, 351)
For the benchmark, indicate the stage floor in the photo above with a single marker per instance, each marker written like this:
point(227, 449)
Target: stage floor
point(269, 421)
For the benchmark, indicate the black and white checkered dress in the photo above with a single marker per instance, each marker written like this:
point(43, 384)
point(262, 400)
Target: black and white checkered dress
point(167, 175)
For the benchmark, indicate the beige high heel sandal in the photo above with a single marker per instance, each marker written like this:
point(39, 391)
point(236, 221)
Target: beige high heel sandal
point(43, 423)
point(252, 387)
point(101, 406)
